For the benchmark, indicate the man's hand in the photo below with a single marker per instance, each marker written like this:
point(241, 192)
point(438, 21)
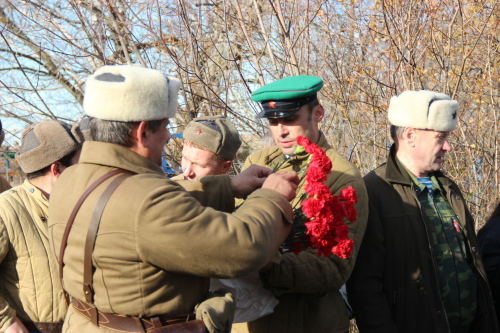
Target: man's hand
point(17, 327)
point(283, 182)
point(249, 180)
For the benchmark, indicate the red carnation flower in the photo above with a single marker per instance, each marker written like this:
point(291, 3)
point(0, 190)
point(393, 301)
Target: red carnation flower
point(323, 211)
point(311, 205)
point(348, 194)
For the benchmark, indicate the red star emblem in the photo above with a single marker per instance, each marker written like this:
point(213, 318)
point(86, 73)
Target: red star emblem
point(272, 104)
point(199, 132)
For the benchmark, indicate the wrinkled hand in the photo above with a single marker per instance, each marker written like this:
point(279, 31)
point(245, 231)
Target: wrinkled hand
point(249, 180)
point(283, 182)
point(17, 327)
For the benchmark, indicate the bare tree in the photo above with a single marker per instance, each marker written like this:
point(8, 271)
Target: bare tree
point(366, 52)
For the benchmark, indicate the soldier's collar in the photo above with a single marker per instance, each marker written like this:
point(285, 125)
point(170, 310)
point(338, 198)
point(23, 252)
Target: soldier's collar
point(117, 156)
point(395, 170)
point(322, 142)
point(35, 192)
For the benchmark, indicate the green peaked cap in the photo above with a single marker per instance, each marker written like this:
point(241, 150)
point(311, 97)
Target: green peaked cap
point(291, 87)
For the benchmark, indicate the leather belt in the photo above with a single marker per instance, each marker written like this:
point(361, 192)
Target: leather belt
point(125, 323)
point(38, 327)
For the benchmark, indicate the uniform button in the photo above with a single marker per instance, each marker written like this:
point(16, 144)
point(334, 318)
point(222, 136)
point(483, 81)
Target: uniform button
point(457, 197)
point(32, 190)
point(43, 218)
point(473, 249)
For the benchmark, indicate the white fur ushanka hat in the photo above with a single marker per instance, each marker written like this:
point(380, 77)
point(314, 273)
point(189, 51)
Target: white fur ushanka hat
point(130, 93)
point(424, 109)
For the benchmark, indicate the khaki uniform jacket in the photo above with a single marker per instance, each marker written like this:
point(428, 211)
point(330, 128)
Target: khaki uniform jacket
point(312, 302)
point(29, 278)
point(157, 246)
point(178, 177)
point(394, 286)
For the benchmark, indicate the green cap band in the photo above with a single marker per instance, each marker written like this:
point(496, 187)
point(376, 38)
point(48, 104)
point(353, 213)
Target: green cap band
point(293, 87)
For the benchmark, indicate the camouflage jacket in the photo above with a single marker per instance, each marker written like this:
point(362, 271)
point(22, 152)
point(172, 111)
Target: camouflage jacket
point(394, 286)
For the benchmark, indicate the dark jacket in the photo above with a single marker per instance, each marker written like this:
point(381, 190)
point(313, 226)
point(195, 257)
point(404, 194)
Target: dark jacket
point(489, 245)
point(394, 286)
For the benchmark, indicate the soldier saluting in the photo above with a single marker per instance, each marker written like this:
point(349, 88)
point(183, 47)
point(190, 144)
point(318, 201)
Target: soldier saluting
point(146, 262)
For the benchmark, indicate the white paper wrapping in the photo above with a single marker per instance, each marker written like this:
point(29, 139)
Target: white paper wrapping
point(252, 300)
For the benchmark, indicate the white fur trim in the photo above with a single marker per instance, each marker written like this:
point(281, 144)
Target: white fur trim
point(146, 94)
point(424, 110)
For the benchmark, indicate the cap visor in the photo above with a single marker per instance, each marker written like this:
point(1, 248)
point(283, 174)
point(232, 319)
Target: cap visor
point(277, 113)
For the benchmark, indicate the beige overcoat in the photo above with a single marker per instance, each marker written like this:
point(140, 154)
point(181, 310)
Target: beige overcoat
point(307, 285)
point(29, 278)
point(157, 246)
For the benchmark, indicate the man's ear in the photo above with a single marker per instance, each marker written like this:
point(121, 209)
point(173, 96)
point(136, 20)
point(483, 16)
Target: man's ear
point(56, 169)
point(410, 136)
point(318, 113)
point(140, 133)
point(226, 167)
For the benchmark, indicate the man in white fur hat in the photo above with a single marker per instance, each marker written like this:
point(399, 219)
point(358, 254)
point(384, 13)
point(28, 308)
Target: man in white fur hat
point(136, 249)
point(419, 268)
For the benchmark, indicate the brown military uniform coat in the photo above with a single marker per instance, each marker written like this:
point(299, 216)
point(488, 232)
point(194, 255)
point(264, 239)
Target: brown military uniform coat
point(157, 246)
point(308, 285)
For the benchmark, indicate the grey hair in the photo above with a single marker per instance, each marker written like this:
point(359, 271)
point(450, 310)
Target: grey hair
point(117, 132)
point(397, 132)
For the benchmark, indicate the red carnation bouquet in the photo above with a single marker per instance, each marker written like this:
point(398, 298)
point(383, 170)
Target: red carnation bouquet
point(319, 223)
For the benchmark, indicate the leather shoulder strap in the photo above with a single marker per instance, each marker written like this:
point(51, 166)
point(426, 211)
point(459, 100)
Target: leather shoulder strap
point(88, 280)
point(72, 216)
